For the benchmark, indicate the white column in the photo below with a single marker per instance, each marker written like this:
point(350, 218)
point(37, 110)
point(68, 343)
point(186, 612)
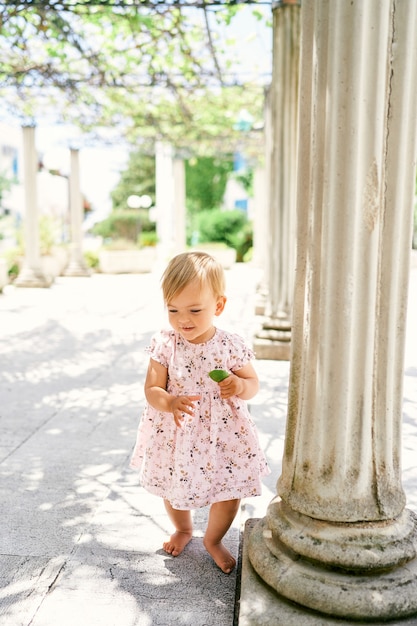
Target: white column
point(164, 200)
point(338, 538)
point(76, 266)
point(261, 241)
point(31, 274)
point(273, 341)
point(260, 228)
point(179, 206)
point(260, 235)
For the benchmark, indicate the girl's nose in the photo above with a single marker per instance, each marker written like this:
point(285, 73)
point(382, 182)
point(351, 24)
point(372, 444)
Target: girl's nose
point(183, 317)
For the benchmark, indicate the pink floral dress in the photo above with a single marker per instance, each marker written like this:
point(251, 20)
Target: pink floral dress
point(215, 455)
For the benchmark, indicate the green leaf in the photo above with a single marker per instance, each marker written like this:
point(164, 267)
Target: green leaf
point(218, 375)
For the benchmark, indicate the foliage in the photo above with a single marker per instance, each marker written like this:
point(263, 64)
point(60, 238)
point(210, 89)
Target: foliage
point(205, 181)
point(6, 183)
point(91, 259)
point(242, 241)
point(151, 70)
point(148, 239)
point(66, 44)
point(121, 225)
point(138, 178)
point(48, 233)
point(229, 227)
point(246, 180)
point(13, 258)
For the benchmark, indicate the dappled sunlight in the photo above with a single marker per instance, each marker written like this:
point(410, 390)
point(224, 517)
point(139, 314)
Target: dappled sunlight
point(72, 601)
point(76, 527)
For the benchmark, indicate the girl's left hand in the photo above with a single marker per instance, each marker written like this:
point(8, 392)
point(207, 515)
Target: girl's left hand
point(231, 386)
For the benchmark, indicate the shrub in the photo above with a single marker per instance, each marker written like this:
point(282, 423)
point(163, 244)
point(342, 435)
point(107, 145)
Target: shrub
point(119, 225)
point(229, 227)
point(242, 241)
point(48, 233)
point(148, 238)
point(92, 259)
point(13, 258)
point(126, 224)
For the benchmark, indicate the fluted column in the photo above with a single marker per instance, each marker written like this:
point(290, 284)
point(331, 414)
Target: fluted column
point(31, 274)
point(273, 340)
point(338, 537)
point(76, 266)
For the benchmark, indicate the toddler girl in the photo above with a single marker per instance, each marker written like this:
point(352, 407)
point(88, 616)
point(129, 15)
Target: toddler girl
point(196, 443)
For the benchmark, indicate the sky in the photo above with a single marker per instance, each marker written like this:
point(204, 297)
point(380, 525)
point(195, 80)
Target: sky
point(253, 41)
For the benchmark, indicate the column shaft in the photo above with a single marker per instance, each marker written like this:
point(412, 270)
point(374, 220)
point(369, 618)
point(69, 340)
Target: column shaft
point(165, 196)
point(31, 274)
point(179, 208)
point(273, 340)
point(76, 265)
point(354, 215)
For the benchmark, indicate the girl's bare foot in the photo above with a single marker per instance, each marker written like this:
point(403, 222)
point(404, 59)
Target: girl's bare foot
point(221, 556)
point(177, 542)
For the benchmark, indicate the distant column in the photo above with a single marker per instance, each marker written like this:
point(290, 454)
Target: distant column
point(31, 274)
point(76, 266)
point(260, 235)
point(273, 340)
point(338, 538)
point(261, 244)
point(260, 228)
point(164, 200)
point(179, 208)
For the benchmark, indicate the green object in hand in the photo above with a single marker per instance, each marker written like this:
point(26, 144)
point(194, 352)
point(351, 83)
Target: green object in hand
point(218, 375)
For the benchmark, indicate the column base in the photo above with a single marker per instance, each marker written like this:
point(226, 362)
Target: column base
point(260, 304)
point(271, 350)
point(273, 341)
point(261, 605)
point(76, 265)
point(30, 277)
point(381, 595)
point(76, 268)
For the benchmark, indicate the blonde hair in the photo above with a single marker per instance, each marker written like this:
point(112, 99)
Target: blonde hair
point(188, 266)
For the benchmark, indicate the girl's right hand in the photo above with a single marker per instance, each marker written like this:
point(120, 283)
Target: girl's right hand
point(182, 405)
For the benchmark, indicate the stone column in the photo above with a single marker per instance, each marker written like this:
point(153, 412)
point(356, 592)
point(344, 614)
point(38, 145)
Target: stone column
point(165, 195)
point(179, 205)
point(260, 235)
point(76, 266)
point(339, 538)
point(262, 229)
point(273, 341)
point(31, 274)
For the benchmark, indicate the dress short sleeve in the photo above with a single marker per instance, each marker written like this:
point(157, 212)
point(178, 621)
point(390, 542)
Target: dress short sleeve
point(240, 353)
point(161, 347)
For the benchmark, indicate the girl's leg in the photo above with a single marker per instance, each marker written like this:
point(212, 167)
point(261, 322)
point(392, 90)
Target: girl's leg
point(183, 530)
point(220, 519)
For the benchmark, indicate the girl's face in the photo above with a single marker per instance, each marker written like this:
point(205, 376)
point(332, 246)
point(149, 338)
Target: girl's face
point(191, 312)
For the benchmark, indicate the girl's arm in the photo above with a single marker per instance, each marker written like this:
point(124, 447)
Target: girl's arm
point(158, 397)
point(243, 383)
